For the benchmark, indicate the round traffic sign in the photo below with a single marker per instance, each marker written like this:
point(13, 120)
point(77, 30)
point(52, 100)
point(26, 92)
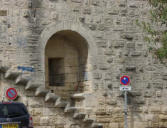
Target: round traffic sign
point(11, 93)
point(125, 80)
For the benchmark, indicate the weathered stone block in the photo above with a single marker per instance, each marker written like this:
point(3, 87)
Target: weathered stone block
point(163, 124)
point(117, 110)
point(122, 5)
point(114, 125)
point(102, 27)
point(76, 1)
point(103, 67)
point(108, 52)
point(74, 126)
point(95, 2)
point(3, 12)
point(111, 102)
point(132, 5)
point(163, 117)
point(97, 76)
point(119, 44)
point(110, 60)
point(26, 13)
point(136, 93)
point(149, 117)
point(131, 45)
point(53, 0)
point(104, 120)
point(165, 76)
point(113, 11)
point(35, 4)
point(157, 85)
point(136, 53)
point(108, 76)
point(148, 94)
point(101, 112)
point(36, 119)
point(36, 111)
point(93, 26)
point(157, 76)
point(44, 120)
point(61, 126)
point(164, 109)
point(150, 68)
point(158, 93)
point(102, 44)
point(131, 68)
point(87, 11)
point(139, 124)
point(124, 12)
point(76, 9)
point(140, 101)
point(155, 109)
point(127, 37)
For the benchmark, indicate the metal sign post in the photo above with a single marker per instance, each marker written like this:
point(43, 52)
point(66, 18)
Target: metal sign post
point(125, 110)
point(125, 80)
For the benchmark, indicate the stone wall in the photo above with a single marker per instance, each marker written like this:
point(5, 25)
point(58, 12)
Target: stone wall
point(115, 48)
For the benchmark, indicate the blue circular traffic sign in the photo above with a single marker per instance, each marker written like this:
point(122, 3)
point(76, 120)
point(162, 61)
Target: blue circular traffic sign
point(11, 93)
point(125, 80)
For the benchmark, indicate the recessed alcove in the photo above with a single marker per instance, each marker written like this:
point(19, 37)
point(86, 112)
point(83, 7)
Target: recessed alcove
point(65, 61)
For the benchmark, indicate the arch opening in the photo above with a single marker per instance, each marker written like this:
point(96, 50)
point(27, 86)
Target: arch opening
point(66, 54)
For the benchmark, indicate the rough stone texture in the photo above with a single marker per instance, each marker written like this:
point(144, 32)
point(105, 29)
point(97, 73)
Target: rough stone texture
point(113, 46)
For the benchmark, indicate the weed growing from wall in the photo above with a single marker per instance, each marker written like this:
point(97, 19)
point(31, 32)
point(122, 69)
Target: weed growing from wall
point(156, 28)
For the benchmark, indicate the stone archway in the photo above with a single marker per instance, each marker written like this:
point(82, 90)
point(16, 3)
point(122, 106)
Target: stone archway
point(74, 30)
point(65, 61)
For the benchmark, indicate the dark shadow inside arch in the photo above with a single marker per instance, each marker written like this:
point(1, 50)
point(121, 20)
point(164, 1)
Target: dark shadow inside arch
point(66, 54)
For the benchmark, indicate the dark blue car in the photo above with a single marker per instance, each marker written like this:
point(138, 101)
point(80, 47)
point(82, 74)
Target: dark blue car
point(14, 115)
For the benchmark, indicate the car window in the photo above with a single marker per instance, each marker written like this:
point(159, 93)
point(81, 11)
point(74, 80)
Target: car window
point(12, 110)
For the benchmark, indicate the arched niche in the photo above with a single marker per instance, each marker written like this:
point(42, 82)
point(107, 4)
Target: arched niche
point(66, 54)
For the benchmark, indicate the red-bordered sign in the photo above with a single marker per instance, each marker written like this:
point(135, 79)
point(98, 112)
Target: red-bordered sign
point(125, 80)
point(11, 93)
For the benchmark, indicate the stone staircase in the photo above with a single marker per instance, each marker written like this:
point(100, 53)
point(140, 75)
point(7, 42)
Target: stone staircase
point(69, 108)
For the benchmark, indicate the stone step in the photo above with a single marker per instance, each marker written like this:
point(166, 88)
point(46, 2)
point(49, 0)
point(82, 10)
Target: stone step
point(96, 125)
point(69, 108)
point(10, 74)
point(60, 103)
point(79, 116)
point(79, 96)
point(41, 91)
point(88, 120)
point(3, 69)
point(31, 85)
point(21, 79)
point(51, 97)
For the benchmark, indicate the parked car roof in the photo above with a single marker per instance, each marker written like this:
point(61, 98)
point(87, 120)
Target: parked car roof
point(10, 102)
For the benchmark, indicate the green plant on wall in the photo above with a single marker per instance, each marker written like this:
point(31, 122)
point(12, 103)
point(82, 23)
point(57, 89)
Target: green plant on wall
point(156, 28)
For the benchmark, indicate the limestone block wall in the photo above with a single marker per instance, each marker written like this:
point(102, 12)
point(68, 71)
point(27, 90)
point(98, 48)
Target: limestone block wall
point(43, 114)
point(115, 48)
